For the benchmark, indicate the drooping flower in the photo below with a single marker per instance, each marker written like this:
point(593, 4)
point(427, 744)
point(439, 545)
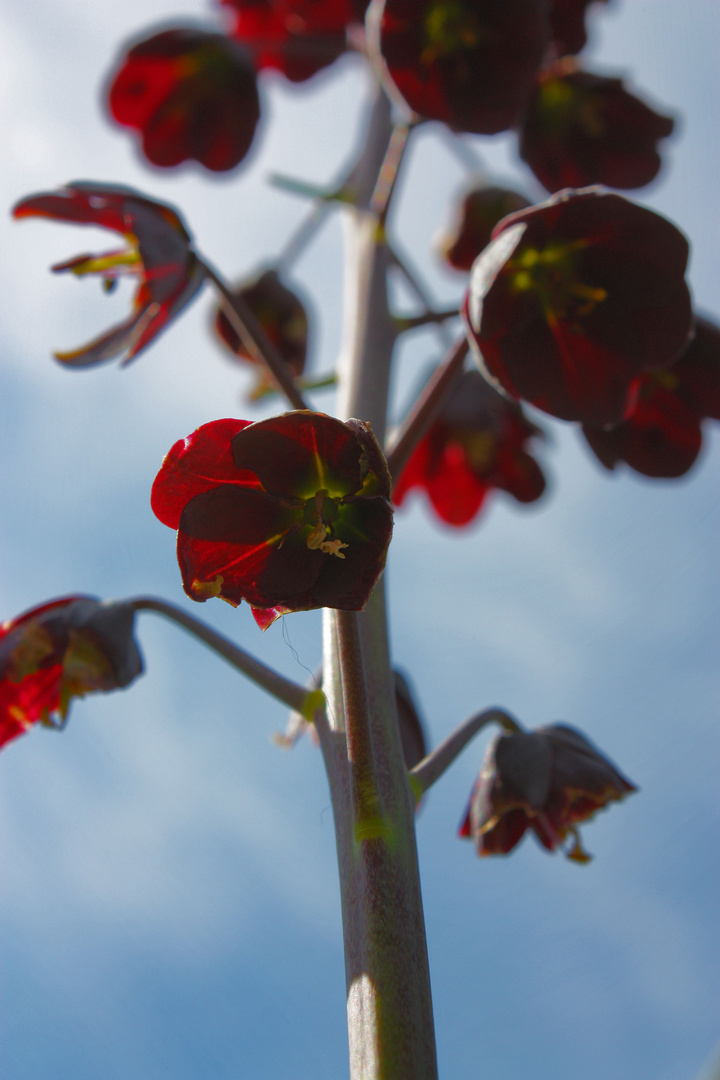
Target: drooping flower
point(476, 444)
point(583, 129)
point(58, 651)
point(548, 780)
point(662, 434)
point(158, 253)
point(296, 37)
point(470, 63)
point(282, 316)
point(191, 94)
point(575, 298)
point(289, 514)
point(477, 215)
point(567, 24)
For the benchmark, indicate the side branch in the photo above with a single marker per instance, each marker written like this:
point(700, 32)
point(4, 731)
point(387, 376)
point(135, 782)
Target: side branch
point(255, 339)
point(434, 765)
point(426, 408)
point(307, 702)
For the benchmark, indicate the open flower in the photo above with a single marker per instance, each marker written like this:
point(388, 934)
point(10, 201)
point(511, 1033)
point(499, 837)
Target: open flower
point(548, 780)
point(61, 650)
point(296, 37)
point(192, 95)
point(290, 513)
point(662, 434)
point(282, 316)
point(477, 215)
point(470, 63)
point(158, 253)
point(477, 443)
point(583, 129)
point(575, 298)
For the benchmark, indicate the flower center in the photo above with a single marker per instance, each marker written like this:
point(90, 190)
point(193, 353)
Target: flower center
point(319, 513)
point(551, 273)
point(449, 27)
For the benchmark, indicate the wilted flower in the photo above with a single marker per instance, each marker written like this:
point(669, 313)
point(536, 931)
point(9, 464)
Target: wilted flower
point(477, 443)
point(469, 63)
point(476, 217)
point(575, 298)
point(567, 24)
point(192, 95)
point(158, 253)
point(547, 780)
point(290, 513)
point(61, 650)
point(662, 434)
point(296, 37)
point(282, 316)
point(583, 129)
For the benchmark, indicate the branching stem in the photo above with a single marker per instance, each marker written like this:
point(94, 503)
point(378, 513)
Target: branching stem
point(434, 765)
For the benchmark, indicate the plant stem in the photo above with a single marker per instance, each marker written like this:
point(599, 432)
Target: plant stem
point(254, 338)
point(291, 694)
point(390, 1021)
point(431, 768)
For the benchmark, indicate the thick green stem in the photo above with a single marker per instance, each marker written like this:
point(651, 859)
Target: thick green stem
point(390, 1021)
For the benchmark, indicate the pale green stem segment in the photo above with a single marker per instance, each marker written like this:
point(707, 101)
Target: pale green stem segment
point(307, 702)
point(254, 338)
point(431, 768)
point(426, 408)
point(390, 1019)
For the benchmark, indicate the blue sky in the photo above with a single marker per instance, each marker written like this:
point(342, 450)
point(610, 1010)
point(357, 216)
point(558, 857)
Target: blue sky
point(168, 890)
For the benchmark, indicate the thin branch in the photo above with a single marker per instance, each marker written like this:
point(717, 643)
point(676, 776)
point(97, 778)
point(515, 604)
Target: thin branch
point(255, 339)
point(429, 318)
point(291, 694)
point(426, 408)
point(434, 765)
point(387, 178)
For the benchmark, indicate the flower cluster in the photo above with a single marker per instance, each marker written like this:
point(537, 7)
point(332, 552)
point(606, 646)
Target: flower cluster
point(289, 514)
point(158, 254)
point(61, 650)
point(547, 781)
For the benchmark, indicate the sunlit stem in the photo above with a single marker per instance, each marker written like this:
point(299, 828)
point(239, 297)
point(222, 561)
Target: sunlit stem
point(426, 408)
point(390, 1019)
point(254, 338)
point(296, 697)
point(434, 765)
point(429, 318)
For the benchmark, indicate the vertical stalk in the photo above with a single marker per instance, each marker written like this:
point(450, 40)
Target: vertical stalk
point(390, 1022)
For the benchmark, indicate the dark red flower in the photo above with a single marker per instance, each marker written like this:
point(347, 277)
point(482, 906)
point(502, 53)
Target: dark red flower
point(296, 37)
point(158, 253)
point(585, 129)
point(662, 434)
point(476, 444)
point(475, 218)
point(192, 95)
point(547, 780)
point(290, 513)
point(469, 63)
point(282, 316)
point(61, 650)
point(567, 24)
point(576, 297)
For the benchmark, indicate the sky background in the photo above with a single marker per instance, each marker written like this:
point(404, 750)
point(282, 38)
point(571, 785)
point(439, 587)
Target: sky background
point(168, 897)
